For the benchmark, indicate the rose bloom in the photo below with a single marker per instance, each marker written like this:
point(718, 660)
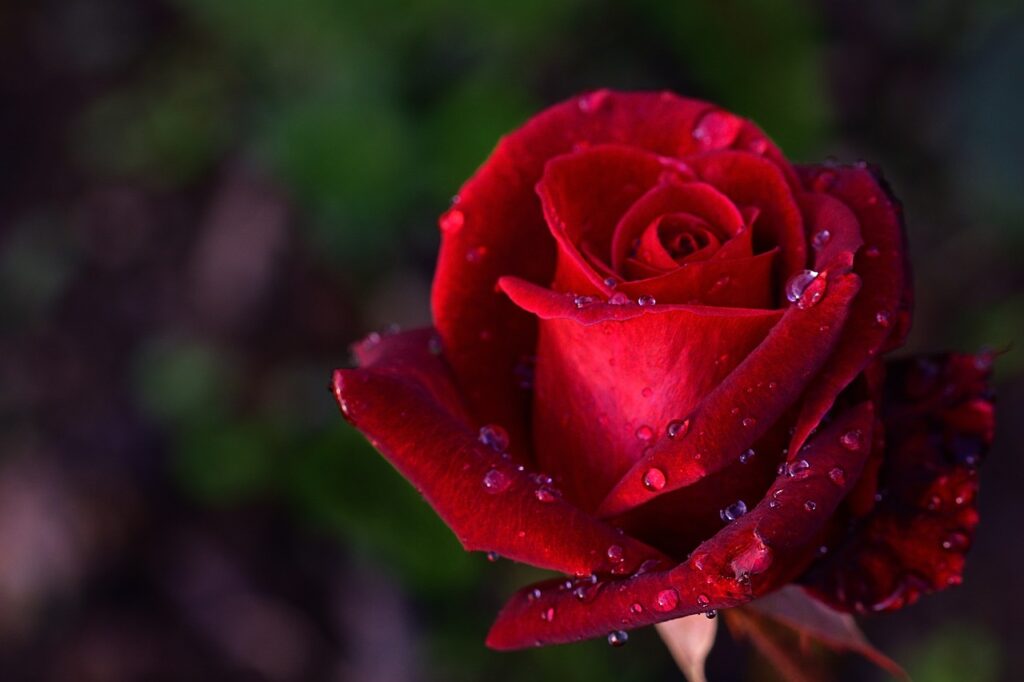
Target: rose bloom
point(657, 368)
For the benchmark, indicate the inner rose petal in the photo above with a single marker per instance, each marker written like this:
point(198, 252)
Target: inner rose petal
point(675, 238)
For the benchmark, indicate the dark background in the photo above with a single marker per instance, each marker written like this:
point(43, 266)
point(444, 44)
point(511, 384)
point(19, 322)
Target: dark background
point(203, 202)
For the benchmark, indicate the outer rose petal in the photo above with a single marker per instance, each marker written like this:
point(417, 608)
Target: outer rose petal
point(497, 228)
point(404, 401)
point(882, 265)
point(751, 556)
point(744, 406)
point(939, 424)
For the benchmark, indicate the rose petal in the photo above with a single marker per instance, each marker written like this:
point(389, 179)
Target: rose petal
point(748, 179)
point(750, 556)
point(939, 424)
point(610, 378)
point(882, 307)
point(695, 198)
point(404, 402)
point(744, 406)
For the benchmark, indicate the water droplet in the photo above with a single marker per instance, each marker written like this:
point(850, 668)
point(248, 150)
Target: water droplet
point(772, 385)
point(703, 600)
point(746, 455)
point(545, 494)
point(476, 254)
point(593, 101)
point(533, 595)
point(496, 481)
point(758, 145)
point(837, 475)
point(824, 181)
point(821, 238)
point(957, 541)
point(644, 432)
point(548, 614)
point(666, 600)
point(748, 422)
point(493, 556)
point(733, 511)
point(882, 318)
point(610, 282)
point(654, 479)
point(636, 607)
point(710, 614)
point(872, 252)
point(678, 428)
point(805, 288)
point(616, 554)
point(452, 221)
point(618, 638)
point(717, 129)
point(810, 505)
point(774, 504)
point(583, 301)
point(734, 411)
point(852, 440)
point(646, 300)
point(618, 298)
point(494, 437)
point(797, 468)
point(798, 283)
point(647, 392)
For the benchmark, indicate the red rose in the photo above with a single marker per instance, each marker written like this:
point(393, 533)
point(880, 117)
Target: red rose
point(657, 369)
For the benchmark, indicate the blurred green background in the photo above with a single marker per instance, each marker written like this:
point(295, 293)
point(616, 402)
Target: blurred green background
point(202, 203)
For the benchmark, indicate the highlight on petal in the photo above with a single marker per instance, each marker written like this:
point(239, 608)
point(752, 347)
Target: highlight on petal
point(756, 553)
point(744, 406)
point(939, 424)
point(404, 402)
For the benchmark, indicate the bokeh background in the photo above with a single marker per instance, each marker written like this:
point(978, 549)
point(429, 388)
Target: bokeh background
point(203, 202)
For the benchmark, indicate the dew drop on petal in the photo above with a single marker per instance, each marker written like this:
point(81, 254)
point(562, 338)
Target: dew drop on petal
point(647, 392)
point(748, 422)
point(533, 595)
point(798, 283)
point(452, 221)
point(824, 181)
point(646, 300)
point(678, 428)
point(717, 129)
point(882, 318)
point(593, 101)
point(476, 254)
point(494, 437)
point(618, 638)
point(710, 614)
point(746, 455)
point(545, 494)
point(810, 505)
point(797, 468)
point(548, 614)
point(610, 282)
point(837, 475)
point(872, 252)
point(583, 301)
point(618, 298)
point(616, 554)
point(666, 600)
point(496, 481)
point(636, 607)
point(644, 432)
point(654, 479)
point(852, 440)
point(703, 600)
point(821, 238)
point(493, 556)
point(733, 511)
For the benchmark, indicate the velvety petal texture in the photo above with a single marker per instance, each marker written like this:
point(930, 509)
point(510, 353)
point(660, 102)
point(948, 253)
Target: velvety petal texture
point(657, 368)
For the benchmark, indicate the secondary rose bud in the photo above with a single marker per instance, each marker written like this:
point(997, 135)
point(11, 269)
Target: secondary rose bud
point(676, 339)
